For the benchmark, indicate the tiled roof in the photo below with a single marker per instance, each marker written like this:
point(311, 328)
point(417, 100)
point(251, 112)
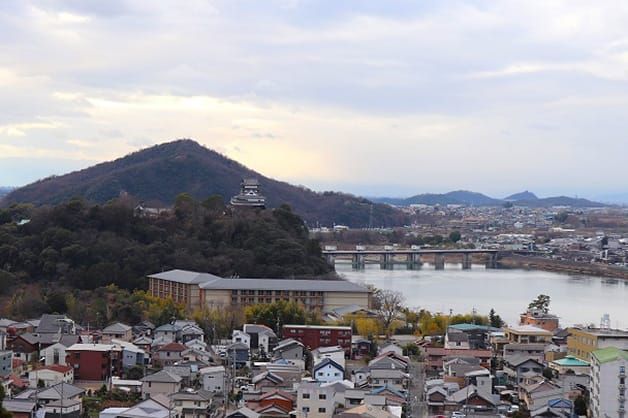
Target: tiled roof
point(609, 354)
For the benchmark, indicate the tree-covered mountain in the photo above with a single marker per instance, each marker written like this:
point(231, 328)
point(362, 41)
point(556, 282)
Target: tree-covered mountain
point(467, 198)
point(158, 174)
point(86, 247)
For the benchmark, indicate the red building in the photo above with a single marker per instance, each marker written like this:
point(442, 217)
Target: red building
point(93, 361)
point(314, 336)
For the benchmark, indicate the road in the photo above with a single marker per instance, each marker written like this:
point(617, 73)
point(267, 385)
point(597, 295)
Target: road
point(418, 407)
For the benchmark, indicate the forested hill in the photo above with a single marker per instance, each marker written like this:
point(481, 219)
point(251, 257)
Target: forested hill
point(86, 247)
point(158, 174)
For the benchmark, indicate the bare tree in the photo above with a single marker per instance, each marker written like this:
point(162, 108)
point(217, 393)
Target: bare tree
point(388, 304)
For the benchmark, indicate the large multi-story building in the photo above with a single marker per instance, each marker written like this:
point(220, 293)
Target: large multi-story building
point(315, 336)
point(608, 383)
point(202, 289)
point(582, 341)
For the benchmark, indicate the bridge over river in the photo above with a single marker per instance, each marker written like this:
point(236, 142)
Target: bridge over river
point(387, 257)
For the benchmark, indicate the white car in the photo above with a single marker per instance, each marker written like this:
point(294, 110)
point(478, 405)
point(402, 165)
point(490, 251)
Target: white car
point(458, 414)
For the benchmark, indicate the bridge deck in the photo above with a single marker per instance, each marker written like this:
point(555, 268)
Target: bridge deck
point(408, 251)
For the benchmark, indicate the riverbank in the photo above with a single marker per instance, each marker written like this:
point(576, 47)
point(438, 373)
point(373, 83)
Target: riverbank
point(562, 266)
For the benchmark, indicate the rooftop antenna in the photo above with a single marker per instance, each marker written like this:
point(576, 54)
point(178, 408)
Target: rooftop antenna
point(605, 322)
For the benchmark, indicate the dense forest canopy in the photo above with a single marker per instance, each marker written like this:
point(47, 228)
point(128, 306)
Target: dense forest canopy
point(86, 247)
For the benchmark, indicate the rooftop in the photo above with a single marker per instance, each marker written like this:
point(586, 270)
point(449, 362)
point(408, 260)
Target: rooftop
point(528, 330)
point(210, 281)
point(571, 361)
point(608, 354)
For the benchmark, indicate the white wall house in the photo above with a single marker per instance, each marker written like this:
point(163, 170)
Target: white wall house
point(213, 378)
point(54, 354)
point(337, 354)
point(328, 371)
point(241, 337)
point(51, 375)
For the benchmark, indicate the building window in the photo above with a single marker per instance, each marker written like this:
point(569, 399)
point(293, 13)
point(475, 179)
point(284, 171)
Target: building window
point(306, 409)
point(322, 410)
point(322, 396)
point(306, 396)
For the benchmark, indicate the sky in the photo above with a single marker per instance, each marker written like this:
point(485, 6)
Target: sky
point(370, 97)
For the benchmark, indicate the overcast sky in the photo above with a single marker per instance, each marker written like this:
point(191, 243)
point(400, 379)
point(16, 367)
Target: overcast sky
point(376, 98)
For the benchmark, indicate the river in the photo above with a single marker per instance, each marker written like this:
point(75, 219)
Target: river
point(575, 299)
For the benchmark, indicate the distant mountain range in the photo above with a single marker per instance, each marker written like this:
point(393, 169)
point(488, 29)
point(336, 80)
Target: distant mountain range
point(158, 174)
point(467, 198)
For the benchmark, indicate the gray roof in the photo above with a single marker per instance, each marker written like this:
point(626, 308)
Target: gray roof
point(285, 284)
point(162, 376)
point(249, 413)
point(51, 323)
point(184, 276)
point(117, 328)
point(54, 392)
point(18, 405)
point(148, 408)
point(210, 281)
point(325, 362)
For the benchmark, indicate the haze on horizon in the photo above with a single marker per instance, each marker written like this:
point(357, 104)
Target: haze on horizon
point(367, 97)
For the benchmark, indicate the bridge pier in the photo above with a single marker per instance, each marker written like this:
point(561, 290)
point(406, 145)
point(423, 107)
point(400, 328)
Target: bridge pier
point(467, 261)
point(387, 261)
point(357, 261)
point(439, 261)
point(413, 260)
point(491, 261)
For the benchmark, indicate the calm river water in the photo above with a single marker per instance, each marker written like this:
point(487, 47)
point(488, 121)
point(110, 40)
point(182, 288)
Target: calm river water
point(575, 299)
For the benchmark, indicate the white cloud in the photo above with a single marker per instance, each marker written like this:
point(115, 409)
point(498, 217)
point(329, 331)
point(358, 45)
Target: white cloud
point(419, 96)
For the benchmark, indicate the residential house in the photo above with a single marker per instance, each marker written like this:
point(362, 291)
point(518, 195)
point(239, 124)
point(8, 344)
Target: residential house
point(191, 332)
point(241, 337)
point(366, 411)
point(243, 412)
point(118, 331)
point(335, 353)
point(131, 354)
point(435, 355)
point(393, 378)
point(60, 400)
point(162, 382)
point(191, 404)
point(267, 381)
point(470, 396)
point(609, 368)
point(390, 348)
point(360, 347)
point(565, 364)
point(525, 334)
point(290, 350)
point(536, 350)
point(314, 400)
point(515, 367)
point(56, 324)
point(6, 363)
point(328, 371)
point(263, 338)
point(56, 353)
point(167, 332)
point(539, 392)
point(168, 354)
point(238, 353)
point(25, 347)
point(20, 408)
point(213, 378)
point(93, 361)
point(275, 403)
point(455, 339)
point(51, 375)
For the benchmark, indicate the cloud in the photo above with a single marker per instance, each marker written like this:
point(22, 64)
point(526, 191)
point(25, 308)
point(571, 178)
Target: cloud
point(411, 96)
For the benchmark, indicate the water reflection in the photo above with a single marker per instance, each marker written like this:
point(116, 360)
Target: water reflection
point(576, 299)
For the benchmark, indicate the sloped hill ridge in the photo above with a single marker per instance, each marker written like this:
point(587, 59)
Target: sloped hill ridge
point(158, 174)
